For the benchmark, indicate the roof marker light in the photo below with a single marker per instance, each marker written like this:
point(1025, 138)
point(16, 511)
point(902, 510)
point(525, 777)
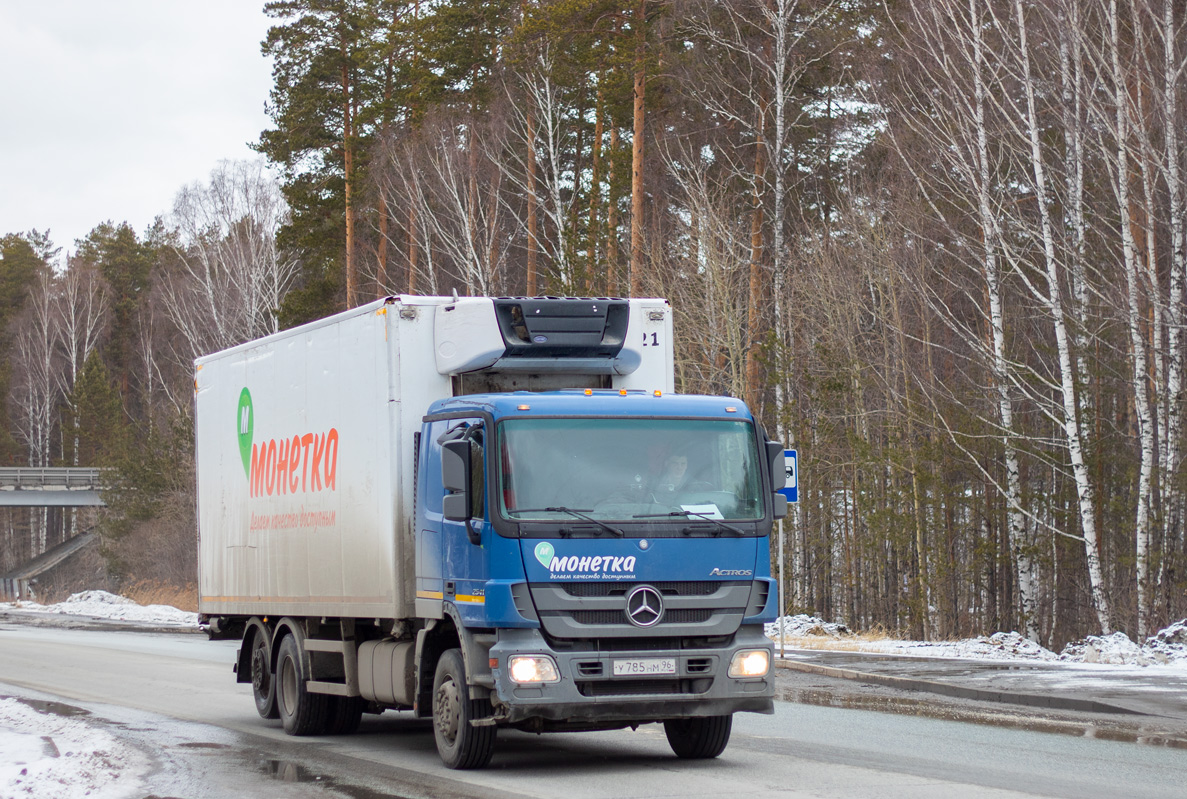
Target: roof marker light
point(523, 407)
point(730, 409)
point(622, 392)
point(589, 392)
point(658, 393)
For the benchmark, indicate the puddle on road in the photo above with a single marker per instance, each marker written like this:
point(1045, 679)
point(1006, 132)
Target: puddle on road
point(939, 710)
point(288, 771)
point(202, 745)
point(47, 706)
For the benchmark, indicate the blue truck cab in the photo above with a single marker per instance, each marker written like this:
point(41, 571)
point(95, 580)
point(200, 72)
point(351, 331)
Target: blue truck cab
point(609, 550)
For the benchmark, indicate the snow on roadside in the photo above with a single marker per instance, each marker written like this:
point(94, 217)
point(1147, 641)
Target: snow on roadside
point(48, 756)
point(104, 605)
point(1167, 647)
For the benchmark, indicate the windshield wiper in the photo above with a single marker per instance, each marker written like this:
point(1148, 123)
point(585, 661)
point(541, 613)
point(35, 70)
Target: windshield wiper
point(686, 513)
point(575, 512)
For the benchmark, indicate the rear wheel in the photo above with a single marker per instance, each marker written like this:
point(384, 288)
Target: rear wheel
point(263, 683)
point(301, 712)
point(701, 738)
point(460, 744)
point(345, 714)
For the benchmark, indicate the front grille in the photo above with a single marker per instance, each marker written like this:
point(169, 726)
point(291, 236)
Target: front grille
point(643, 687)
point(689, 616)
point(669, 588)
point(597, 609)
point(645, 644)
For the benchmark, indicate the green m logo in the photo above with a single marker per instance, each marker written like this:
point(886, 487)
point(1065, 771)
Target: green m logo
point(245, 418)
point(544, 553)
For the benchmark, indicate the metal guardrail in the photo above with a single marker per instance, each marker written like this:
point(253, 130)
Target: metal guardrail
point(34, 478)
point(51, 487)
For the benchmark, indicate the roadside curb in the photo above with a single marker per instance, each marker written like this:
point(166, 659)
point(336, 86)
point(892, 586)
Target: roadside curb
point(1050, 702)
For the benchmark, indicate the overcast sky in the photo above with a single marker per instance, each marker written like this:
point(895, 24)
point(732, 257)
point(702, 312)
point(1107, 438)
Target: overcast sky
point(107, 108)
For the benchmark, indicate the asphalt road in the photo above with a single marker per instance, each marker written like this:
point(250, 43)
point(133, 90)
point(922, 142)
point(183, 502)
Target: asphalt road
point(804, 750)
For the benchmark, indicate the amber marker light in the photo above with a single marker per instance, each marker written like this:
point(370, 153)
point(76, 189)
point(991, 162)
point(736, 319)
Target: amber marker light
point(730, 409)
point(622, 392)
point(589, 392)
point(658, 393)
point(523, 407)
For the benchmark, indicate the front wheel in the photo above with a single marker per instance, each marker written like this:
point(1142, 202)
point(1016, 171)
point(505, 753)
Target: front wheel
point(696, 739)
point(460, 744)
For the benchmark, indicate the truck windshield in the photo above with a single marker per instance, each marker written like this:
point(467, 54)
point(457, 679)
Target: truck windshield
point(613, 469)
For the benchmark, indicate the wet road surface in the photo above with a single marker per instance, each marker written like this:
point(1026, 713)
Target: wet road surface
point(819, 746)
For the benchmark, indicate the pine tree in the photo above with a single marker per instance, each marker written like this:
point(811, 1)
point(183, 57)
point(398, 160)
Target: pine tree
point(320, 68)
point(102, 429)
point(126, 264)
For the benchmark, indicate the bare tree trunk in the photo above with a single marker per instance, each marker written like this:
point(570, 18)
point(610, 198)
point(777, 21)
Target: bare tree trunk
point(1138, 357)
point(754, 310)
point(1173, 427)
point(1001, 374)
point(595, 189)
point(1055, 306)
point(636, 265)
point(612, 220)
point(348, 156)
point(410, 278)
point(533, 246)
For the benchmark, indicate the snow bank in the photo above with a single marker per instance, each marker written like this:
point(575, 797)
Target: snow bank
point(1115, 650)
point(802, 625)
point(48, 756)
point(104, 605)
point(1166, 647)
point(999, 646)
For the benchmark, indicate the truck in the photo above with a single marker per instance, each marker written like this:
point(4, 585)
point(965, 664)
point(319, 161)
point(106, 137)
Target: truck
point(491, 512)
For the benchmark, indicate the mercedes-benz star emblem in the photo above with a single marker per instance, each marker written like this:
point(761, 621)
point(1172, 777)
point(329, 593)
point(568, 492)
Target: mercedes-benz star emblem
point(644, 606)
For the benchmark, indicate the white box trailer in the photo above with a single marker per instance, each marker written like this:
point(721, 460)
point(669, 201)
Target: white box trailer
point(304, 445)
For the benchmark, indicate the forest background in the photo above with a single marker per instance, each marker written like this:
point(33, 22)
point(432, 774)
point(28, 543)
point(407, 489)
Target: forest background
point(938, 246)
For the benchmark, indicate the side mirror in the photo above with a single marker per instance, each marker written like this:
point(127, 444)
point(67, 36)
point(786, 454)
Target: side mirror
point(778, 463)
point(778, 506)
point(455, 477)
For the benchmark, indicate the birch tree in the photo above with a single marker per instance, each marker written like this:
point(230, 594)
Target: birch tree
point(231, 276)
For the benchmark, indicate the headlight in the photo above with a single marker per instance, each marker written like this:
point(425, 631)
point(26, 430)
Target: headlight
point(750, 663)
point(532, 668)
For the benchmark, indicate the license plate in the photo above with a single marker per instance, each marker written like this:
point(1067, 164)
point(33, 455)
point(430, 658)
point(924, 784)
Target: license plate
point(624, 668)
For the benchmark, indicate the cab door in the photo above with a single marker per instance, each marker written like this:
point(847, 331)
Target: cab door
point(450, 566)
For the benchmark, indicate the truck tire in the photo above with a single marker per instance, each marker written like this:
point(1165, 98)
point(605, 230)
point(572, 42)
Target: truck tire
point(345, 715)
point(263, 681)
point(460, 744)
point(301, 712)
point(696, 739)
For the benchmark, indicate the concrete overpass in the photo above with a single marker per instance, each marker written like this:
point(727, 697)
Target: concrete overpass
point(50, 487)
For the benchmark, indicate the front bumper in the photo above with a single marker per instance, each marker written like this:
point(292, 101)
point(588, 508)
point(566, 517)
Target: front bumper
point(589, 693)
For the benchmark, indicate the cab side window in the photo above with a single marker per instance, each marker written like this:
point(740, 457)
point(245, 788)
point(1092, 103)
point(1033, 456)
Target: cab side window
point(477, 474)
